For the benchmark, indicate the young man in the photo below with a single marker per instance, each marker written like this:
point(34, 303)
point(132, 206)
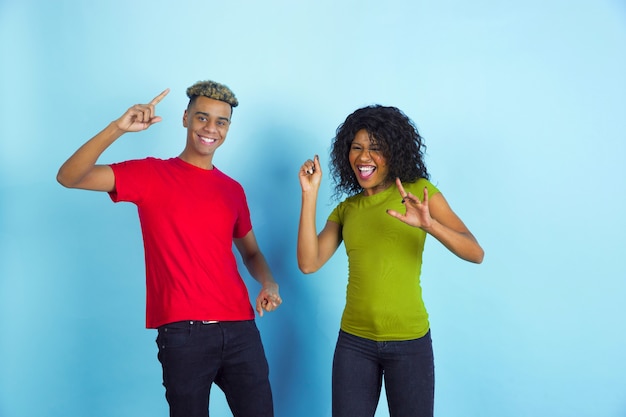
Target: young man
point(190, 214)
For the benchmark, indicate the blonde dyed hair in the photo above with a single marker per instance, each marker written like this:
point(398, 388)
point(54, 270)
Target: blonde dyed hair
point(214, 90)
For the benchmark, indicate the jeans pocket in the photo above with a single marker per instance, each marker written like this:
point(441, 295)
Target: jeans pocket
point(173, 335)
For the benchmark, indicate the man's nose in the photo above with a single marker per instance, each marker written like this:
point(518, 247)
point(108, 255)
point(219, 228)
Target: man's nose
point(210, 126)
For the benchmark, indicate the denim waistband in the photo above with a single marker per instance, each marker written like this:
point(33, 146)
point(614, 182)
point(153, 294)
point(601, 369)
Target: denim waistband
point(196, 322)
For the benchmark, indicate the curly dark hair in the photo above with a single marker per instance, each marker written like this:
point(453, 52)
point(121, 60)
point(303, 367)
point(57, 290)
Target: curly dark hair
point(395, 134)
point(214, 90)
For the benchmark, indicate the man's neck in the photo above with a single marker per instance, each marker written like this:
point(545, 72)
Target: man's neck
point(200, 162)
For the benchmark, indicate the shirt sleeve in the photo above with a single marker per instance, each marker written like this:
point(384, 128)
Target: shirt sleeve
point(130, 184)
point(244, 223)
point(336, 215)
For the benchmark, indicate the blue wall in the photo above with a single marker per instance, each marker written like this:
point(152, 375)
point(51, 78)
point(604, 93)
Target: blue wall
point(522, 107)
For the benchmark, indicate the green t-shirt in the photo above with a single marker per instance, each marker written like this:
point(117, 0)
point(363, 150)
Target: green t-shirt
point(384, 297)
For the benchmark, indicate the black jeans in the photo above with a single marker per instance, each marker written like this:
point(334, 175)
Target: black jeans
point(194, 355)
point(360, 365)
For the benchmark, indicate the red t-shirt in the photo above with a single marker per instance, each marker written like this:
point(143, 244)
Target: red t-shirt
point(189, 217)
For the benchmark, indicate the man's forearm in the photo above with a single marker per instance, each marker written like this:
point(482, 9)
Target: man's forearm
point(78, 166)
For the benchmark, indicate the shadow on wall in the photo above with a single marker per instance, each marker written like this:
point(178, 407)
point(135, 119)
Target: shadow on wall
point(292, 339)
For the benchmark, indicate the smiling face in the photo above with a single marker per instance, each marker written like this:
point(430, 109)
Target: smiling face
point(207, 122)
point(368, 163)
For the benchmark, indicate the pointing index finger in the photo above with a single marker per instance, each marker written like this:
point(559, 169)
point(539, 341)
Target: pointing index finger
point(160, 97)
point(400, 187)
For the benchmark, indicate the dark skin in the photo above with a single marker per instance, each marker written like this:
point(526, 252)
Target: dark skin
point(207, 122)
point(433, 215)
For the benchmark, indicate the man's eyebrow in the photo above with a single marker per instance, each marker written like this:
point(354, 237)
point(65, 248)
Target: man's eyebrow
point(208, 115)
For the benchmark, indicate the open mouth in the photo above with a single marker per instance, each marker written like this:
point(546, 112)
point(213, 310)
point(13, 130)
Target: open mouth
point(366, 171)
point(206, 141)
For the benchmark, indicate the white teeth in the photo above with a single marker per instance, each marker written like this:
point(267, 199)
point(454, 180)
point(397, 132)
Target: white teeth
point(366, 169)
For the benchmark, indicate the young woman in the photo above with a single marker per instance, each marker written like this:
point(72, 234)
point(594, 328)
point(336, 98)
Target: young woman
point(377, 160)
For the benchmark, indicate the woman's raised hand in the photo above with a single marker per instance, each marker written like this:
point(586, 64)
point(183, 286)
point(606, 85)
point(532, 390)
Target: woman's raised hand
point(310, 174)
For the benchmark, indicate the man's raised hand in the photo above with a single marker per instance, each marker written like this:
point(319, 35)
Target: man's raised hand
point(141, 116)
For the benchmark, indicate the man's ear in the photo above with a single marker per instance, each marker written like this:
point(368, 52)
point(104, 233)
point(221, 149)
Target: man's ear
point(185, 119)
